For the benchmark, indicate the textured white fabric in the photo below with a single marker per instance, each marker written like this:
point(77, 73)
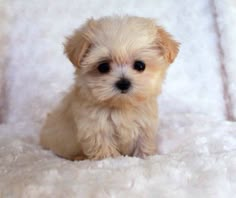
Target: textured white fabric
point(226, 18)
point(195, 161)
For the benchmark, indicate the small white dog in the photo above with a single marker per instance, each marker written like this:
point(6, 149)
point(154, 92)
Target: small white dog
point(112, 109)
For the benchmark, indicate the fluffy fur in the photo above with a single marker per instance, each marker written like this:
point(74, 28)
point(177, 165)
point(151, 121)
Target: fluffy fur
point(95, 120)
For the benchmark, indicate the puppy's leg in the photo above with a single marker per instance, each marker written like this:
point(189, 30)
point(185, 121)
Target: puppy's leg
point(146, 144)
point(97, 147)
point(80, 157)
point(59, 133)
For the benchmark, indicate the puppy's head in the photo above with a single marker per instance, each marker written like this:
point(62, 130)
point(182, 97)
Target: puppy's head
point(121, 59)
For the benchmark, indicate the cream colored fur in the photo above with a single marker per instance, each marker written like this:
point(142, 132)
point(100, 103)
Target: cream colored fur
point(95, 120)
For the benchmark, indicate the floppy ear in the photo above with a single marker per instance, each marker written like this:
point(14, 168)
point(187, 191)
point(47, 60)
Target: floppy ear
point(76, 47)
point(169, 46)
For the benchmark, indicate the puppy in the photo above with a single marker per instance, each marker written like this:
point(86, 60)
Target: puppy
point(112, 109)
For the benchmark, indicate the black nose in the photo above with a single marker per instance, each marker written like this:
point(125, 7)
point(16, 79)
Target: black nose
point(123, 84)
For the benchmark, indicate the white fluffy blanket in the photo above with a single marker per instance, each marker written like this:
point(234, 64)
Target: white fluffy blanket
point(197, 138)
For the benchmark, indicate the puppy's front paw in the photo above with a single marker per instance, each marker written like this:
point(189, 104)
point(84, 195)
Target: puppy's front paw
point(105, 154)
point(144, 153)
point(80, 158)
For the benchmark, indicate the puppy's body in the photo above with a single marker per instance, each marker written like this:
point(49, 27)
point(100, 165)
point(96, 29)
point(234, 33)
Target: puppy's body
point(112, 109)
point(80, 128)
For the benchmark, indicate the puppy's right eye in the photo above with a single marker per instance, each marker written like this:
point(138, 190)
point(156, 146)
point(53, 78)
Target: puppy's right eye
point(104, 67)
point(139, 65)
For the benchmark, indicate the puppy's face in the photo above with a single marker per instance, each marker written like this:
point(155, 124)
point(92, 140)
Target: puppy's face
point(121, 59)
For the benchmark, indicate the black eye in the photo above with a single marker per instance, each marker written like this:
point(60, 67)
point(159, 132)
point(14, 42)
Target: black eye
point(104, 67)
point(139, 65)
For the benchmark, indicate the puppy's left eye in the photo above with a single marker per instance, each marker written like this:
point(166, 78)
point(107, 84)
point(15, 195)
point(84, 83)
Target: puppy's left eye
point(104, 67)
point(139, 65)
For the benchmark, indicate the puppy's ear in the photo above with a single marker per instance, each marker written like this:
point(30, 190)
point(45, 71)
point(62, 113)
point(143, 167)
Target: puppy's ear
point(167, 44)
point(76, 47)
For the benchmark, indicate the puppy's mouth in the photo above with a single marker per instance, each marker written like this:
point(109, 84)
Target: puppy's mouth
point(124, 91)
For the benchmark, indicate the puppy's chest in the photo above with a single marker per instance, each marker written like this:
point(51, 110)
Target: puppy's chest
point(126, 124)
point(122, 124)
